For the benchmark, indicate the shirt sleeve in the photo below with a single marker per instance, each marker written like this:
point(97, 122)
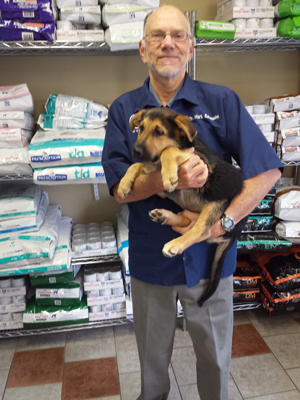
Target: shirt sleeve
point(249, 147)
point(116, 157)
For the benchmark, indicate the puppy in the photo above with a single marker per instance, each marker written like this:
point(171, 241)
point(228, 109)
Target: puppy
point(162, 136)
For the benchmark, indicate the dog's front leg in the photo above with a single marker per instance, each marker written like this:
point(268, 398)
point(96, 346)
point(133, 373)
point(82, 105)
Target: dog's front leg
point(166, 217)
point(170, 159)
point(128, 179)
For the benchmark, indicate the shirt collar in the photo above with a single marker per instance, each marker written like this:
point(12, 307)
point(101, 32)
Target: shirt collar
point(147, 99)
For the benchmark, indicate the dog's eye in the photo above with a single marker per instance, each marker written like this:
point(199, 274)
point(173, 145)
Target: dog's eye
point(158, 132)
point(141, 128)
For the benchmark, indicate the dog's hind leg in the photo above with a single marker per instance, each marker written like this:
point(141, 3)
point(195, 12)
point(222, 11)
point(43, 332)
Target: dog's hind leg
point(165, 217)
point(210, 214)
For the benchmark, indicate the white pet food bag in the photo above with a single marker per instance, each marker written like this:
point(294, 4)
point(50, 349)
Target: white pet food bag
point(78, 107)
point(90, 15)
point(14, 138)
point(16, 119)
point(287, 205)
point(122, 13)
point(124, 36)
point(16, 98)
point(289, 231)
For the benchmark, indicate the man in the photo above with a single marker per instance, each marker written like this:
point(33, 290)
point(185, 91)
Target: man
point(157, 282)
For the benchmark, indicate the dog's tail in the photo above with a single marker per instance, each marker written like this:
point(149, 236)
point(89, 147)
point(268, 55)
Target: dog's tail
point(220, 254)
point(216, 269)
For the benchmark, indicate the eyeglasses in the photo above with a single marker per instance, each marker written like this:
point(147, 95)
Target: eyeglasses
point(159, 36)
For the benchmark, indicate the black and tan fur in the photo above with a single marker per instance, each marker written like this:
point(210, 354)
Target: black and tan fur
point(162, 136)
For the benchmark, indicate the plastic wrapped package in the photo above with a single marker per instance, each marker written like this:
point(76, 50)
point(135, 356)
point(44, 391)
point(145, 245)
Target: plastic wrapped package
point(283, 271)
point(287, 119)
point(287, 205)
point(52, 121)
point(27, 223)
point(17, 201)
point(260, 242)
point(124, 36)
point(148, 3)
point(13, 138)
point(289, 27)
point(16, 119)
point(287, 8)
point(26, 31)
point(124, 12)
point(215, 29)
point(259, 224)
point(45, 269)
point(289, 230)
point(279, 301)
point(40, 10)
point(76, 3)
point(61, 294)
point(57, 148)
point(78, 107)
point(85, 173)
point(39, 317)
point(16, 98)
point(247, 275)
point(20, 249)
point(246, 296)
point(90, 15)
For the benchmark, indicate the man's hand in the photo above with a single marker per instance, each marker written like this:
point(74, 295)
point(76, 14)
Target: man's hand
point(192, 173)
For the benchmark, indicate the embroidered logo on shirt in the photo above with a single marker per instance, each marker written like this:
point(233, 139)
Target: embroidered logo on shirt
point(205, 116)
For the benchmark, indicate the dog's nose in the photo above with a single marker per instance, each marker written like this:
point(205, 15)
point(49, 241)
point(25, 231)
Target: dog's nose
point(137, 152)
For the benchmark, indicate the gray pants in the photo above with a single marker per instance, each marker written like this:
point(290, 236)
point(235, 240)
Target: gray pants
point(210, 328)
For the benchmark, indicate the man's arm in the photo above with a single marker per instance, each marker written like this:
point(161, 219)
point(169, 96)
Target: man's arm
point(192, 173)
point(254, 190)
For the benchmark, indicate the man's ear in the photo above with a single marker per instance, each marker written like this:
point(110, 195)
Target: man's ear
point(184, 123)
point(136, 119)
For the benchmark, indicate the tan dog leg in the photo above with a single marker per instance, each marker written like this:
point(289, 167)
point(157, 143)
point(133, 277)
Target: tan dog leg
point(166, 217)
point(170, 159)
point(198, 233)
point(128, 179)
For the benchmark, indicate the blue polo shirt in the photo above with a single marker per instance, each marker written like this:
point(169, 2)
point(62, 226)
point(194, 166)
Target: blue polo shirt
point(226, 126)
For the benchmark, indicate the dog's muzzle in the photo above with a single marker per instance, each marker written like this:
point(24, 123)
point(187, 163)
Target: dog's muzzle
point(139, 153)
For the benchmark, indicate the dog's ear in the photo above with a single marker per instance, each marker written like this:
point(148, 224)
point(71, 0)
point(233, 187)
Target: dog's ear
point(184, 123)
point(136, 119)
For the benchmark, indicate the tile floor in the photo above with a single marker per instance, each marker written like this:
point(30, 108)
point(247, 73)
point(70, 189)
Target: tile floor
point(103, 363)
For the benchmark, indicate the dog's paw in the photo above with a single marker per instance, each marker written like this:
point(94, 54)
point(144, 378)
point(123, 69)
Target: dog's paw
point(157, 216)
point(170, 183)
point(123, 191)
point(169, 250)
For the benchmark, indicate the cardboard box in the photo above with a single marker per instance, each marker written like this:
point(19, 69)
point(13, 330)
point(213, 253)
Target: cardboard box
point(12, 308)
point(13, 291)
point(111, 284)
point(114, 298)
point(268, 118)
point(80, 35)
point(255, 33)
point(94, 253)
point(246, 12)
point(11, 325)
point(99, 316)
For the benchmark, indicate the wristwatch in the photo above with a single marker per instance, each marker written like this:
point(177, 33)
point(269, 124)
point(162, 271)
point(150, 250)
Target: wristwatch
point(227, 223)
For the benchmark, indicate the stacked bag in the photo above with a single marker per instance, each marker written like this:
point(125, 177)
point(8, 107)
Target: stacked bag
point(280, 290)
point(68, 148)
point(288, 13)
point(287, 126)
point(258, 234)
point(246, 281)
point(16, 129)
point(58, 297)
point(79, 21)
point(27, 20)
point(124, 22)
point(29, 227)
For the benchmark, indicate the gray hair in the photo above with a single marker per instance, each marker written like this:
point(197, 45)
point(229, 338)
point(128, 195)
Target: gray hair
point(146, 20)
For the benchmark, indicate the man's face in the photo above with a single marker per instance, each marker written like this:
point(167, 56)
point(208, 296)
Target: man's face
point(169, 57)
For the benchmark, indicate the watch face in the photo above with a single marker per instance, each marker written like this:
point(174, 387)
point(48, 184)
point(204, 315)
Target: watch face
point(228, 223)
